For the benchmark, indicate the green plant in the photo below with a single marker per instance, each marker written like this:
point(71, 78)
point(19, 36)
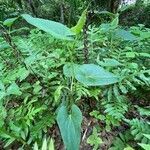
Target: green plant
point(43, 79)
point(94, 140)
point(78, 72)
point(138, 128)
point(121, 142)
point(48, 144)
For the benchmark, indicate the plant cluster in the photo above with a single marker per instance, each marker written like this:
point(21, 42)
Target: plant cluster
point(44, 82)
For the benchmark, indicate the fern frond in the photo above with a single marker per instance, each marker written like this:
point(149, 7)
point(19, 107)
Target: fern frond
point(116, 109)
point(138, 128)
point(46, 121)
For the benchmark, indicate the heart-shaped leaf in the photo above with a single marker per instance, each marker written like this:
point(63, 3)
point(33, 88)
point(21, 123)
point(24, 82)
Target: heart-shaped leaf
point(125, 35)
point(70, 126)
point(94, 75)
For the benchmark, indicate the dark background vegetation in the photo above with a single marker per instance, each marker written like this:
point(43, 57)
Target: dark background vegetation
point(67, 11)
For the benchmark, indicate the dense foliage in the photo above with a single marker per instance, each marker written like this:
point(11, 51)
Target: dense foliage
point(140, 10)
point(84, 87)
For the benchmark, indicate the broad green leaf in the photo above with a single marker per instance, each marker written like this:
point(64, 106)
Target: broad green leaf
point(94, 75)
point(125, 35)
point(69, 69)
point(56, 29)
point(80, 24)
point(9, 22)
point(70, 126)
point(13, 89)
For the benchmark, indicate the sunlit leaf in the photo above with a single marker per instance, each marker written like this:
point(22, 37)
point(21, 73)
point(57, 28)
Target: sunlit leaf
point(94, 75)
point(125, 35)
point(8, 22)
point(44, 145)
point(56, 29)
point(144, 146)
point(51, 145)
point(80, 24)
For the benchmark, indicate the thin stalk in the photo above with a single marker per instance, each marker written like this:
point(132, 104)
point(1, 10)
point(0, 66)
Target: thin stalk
point(71, 98)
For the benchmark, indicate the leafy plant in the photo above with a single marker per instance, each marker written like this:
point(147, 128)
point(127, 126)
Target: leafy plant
point(94, 140)
point(43, 78)
point(122, 142)
point(138, 128)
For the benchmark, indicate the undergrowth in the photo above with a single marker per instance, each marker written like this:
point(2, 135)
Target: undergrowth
point(32, 81)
